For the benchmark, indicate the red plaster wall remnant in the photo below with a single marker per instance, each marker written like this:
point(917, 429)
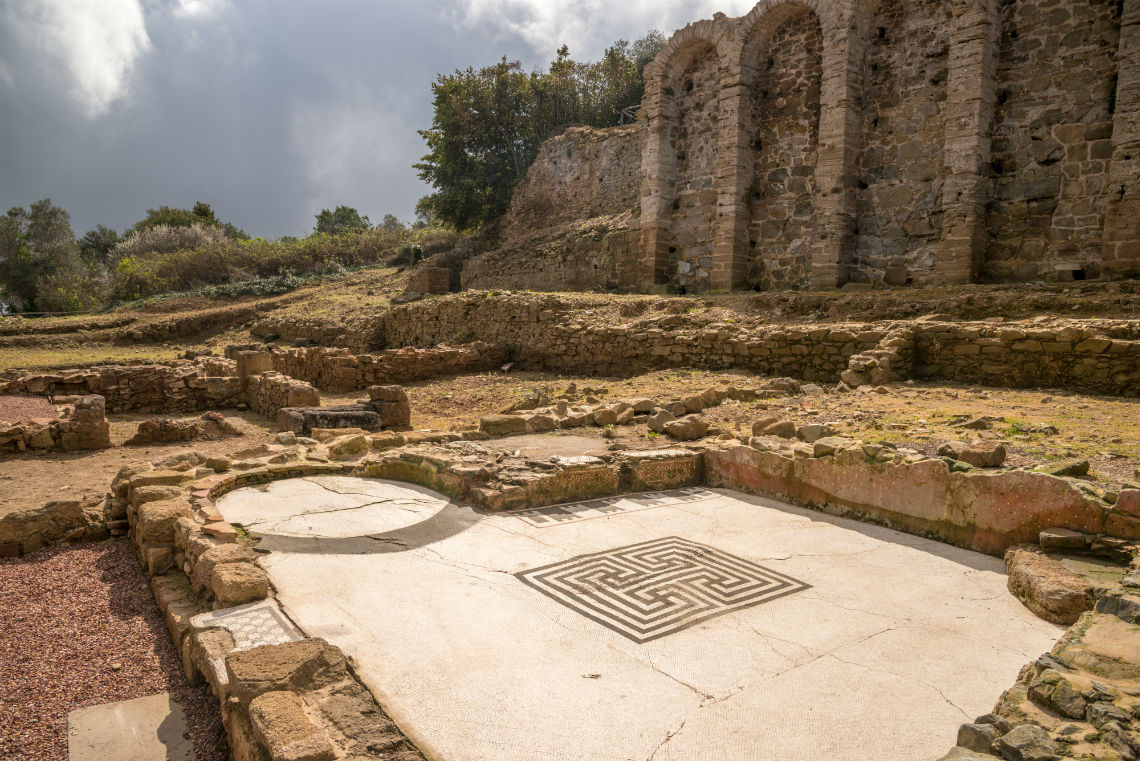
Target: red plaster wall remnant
point(986, 512)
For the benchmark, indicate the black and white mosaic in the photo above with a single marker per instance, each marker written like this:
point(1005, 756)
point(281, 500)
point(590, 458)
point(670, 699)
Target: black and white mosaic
point(556, 515)
point(654, 589)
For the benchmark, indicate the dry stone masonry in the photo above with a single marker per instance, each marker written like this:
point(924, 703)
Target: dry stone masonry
point(814, 144)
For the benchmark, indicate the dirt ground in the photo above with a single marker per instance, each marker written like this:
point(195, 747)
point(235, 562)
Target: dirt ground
point(33, 479)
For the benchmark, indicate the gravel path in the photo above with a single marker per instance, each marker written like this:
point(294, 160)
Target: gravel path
point(79, 627)
point(26, 409)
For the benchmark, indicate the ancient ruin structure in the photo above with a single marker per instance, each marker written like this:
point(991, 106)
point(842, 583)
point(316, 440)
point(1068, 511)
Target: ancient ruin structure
point(812, 144)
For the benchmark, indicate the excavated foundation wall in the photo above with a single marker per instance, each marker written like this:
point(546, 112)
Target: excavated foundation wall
point(1100, 356)
point(340, 370)
point(180, 386)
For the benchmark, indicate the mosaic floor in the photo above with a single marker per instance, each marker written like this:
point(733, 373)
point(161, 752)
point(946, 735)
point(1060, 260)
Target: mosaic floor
point(651, 626)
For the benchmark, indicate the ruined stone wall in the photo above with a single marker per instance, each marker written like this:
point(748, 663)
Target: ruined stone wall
point(1052, 139)
point(83, 425)
point(572, 223)
point(181, 386)
point(582, 173)
point(1100, 359)
point(812, 144)
point(784, 107)
point(901, 169)
point(268, 392)
point(691, 225)
point(340, 370)
point(548, 333)
point(594, 254)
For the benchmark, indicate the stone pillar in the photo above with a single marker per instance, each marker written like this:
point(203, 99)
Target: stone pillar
point(967, 117)
point(251, 363)
point(1120, 252)
point(839, 144)
point(732, 181)
point(657, 167)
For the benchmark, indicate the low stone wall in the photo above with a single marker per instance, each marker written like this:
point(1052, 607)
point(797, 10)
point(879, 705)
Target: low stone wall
point(1100, 358)
point(179, 386)
point(429, 280)
point(83, 426)
point(340, 370)
point(267, 393)
point(550, 333)
point(982, 511)
point(358, 335)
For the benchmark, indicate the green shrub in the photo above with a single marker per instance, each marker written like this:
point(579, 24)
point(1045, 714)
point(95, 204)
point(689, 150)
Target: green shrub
point(227, 261)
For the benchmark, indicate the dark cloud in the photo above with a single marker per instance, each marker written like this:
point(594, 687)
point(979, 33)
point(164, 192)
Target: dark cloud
point(267, 109)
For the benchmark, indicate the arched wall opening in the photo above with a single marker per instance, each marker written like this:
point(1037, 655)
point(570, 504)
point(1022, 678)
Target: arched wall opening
point(692, 92)
point(901, 170)
point(782, 65)
point(1056, 92)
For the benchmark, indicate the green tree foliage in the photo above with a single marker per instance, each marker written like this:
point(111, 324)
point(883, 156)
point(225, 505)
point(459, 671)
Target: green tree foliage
point(201, 214)
point(40, 267)
point(96, 245)
point(489, 123)
point(391, 223)
point(343, 219)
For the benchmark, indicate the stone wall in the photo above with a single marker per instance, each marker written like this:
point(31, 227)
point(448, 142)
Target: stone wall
point(1093, 358)
point(340, 370)
point(815, 143)
point(901, 168)
point(268, 392)
point(985, 512)
point(784, 112)
point(579, 174)
point(545, 332)
point(83, 425)
point(180, 386)
point(1052, 145)
point(572, 223)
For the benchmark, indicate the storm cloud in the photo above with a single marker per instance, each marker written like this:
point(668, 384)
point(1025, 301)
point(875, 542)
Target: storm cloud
point(267, 109)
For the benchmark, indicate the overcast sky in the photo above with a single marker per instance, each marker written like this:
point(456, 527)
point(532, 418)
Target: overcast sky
point(269, 110)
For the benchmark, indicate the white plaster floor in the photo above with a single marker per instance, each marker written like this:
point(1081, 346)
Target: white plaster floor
point(897, 641)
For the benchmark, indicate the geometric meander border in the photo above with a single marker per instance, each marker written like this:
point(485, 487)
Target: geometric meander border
point(653, 589)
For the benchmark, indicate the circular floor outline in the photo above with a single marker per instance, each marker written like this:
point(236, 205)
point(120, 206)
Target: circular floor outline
point(453, 518)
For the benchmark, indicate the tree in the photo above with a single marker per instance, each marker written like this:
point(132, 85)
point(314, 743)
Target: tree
point(40, 268)
point(489, 124)
point(344, 219)
point(200, 214)
point(391, 224)
point(96, 245)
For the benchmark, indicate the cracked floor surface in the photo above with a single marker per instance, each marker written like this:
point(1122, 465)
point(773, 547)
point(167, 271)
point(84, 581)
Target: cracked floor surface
point(897, 641)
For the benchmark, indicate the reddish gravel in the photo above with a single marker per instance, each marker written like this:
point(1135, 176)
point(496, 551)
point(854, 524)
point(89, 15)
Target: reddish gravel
point(26, 409)
point(68, 617)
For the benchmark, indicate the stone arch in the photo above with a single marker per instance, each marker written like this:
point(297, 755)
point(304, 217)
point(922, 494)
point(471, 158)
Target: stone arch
point(679, 197)
point(781, 71)
point(901, 168)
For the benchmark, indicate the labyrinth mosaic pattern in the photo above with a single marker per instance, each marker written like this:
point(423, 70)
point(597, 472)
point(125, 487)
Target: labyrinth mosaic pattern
point(653, 589)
